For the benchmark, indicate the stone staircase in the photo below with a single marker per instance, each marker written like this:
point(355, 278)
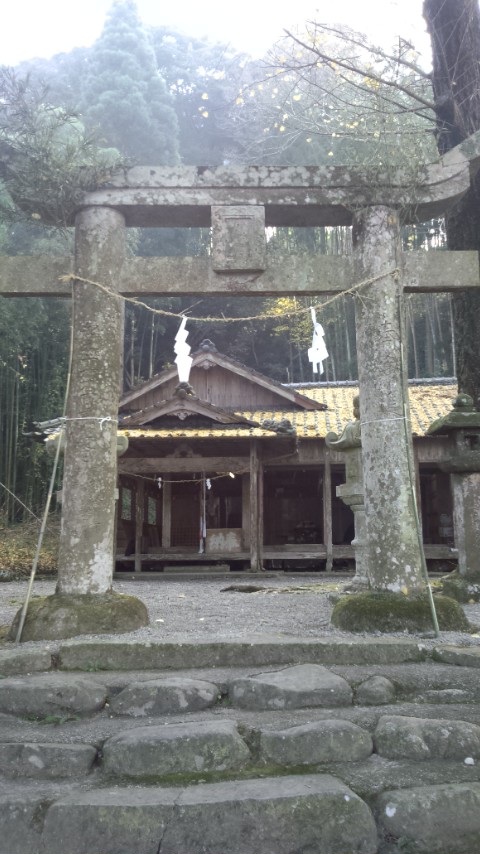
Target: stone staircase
point(276, 746)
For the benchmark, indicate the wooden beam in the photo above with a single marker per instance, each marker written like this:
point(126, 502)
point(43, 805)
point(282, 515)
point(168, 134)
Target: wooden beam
point(310, 275)
point(160, 465)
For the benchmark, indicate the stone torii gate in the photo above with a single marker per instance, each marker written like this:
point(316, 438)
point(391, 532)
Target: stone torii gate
point(238, 204)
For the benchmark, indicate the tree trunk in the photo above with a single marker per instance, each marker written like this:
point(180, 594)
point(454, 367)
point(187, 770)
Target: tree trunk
point(454, 28)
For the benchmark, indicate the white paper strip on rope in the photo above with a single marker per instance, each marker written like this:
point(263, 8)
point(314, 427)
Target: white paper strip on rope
point(318, 351)
point(182, 349)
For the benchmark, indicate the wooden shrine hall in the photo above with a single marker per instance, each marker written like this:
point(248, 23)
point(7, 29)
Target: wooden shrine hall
point(234, 472)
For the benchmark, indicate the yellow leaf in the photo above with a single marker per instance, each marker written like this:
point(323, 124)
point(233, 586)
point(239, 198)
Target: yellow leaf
point(205, 114)
point(205, 96)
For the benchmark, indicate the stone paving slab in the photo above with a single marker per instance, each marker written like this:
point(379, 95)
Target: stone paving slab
point(461, 656)
point(51, 694)
point(315, 814)
point(398, 737)
point(157, 751)
point(421, 816)
point(46, 760)
point(322, 741)
point(292, 688)
point(21, 822)
point(15, 660)
point(167, 695)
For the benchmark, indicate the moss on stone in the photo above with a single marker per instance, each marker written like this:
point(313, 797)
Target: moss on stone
point(66, 616)
point(385, 611)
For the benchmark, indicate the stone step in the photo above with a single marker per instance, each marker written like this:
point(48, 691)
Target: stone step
point(182, 652)
point(57, 694)
point(269, 757)
point(160, 751)
point(311, 813)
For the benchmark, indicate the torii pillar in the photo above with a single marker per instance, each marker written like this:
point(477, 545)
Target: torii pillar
point(84, 602)
point(86, 542)
point(394, 547)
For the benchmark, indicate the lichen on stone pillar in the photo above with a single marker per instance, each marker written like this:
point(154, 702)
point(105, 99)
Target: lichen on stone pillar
point(84, 600)
point(394, 548)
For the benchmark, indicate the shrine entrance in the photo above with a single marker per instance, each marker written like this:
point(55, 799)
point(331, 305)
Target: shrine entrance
point(238, 204)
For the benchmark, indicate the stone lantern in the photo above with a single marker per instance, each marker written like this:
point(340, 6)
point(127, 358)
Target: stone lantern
point(462, 426)
point(352, 492)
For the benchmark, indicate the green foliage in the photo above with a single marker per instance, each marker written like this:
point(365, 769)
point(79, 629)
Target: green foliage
point(204, 79)
point(47, 158)
point(123, 93)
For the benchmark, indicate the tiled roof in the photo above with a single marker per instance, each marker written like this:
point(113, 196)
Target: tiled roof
point(427, 402)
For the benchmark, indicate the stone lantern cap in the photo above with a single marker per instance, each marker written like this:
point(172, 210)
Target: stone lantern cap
point(463, 416)
point(463, 425)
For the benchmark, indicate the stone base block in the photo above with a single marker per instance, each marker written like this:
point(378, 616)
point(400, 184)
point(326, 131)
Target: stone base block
point(66, 616)
point(463, 588)
point(384, 611)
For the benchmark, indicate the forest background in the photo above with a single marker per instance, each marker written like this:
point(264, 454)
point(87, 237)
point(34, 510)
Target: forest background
point(156, 96)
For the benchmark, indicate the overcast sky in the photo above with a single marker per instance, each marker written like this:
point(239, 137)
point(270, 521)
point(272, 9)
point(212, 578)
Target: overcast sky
point(33, 28)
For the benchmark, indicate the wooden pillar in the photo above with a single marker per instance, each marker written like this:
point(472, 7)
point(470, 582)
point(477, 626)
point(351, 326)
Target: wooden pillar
point(394, 551)
point(85, 562)
point(139, 520)
point(246, 510)
point(327, 510)
point(166, 515)
point(255, 509)
point(261, 482)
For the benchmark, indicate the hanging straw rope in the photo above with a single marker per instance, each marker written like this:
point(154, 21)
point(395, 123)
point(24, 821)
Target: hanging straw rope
point(257, 317)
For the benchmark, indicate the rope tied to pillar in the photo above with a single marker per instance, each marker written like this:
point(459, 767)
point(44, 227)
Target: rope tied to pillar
point(102, 419)
point(385, 420)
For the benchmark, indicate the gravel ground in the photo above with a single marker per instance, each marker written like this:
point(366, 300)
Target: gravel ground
point(202, 607)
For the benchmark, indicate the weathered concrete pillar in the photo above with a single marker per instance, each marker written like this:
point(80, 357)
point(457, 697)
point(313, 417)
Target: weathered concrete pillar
point(352, 493)
point(394, 551)
point(90, 470)
point(84, 602)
